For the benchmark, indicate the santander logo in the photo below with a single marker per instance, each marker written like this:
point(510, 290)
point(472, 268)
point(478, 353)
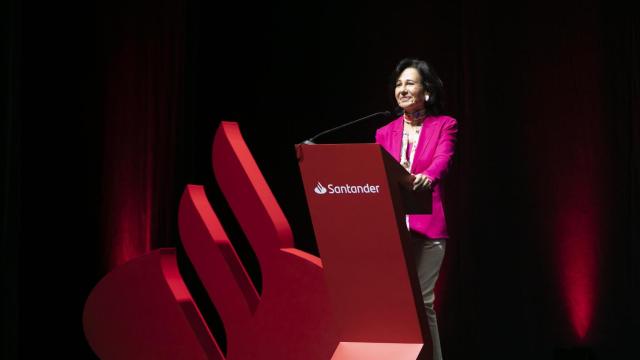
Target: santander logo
point(319, 189)
point(346, 189)
point(145, 310)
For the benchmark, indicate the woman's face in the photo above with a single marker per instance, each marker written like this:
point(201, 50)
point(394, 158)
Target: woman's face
point(409, 90)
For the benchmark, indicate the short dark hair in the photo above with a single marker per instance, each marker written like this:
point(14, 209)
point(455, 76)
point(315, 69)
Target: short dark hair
point(430, 81)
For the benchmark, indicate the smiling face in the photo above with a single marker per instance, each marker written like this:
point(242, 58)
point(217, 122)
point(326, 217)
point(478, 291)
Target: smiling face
point(409, 91)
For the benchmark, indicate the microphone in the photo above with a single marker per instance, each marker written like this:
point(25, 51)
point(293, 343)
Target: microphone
point(310, 140)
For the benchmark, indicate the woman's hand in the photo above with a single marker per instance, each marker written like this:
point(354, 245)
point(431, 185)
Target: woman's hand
point(422, 181)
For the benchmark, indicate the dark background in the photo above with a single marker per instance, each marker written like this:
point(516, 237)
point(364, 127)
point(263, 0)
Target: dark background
point(109, 108)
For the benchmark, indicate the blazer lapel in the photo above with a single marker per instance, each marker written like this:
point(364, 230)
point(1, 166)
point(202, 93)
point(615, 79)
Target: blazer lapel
point(396, 139)
point(426, 135)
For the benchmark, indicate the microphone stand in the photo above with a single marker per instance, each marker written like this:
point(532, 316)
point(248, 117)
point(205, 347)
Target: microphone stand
point(310, 140)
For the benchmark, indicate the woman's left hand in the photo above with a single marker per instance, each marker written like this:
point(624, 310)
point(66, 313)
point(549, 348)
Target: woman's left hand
point(422, 181)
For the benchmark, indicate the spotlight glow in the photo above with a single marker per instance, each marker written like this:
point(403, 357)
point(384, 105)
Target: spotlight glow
point(576, 234)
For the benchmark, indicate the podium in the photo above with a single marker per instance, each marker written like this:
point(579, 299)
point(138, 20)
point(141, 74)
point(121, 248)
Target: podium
point(358, 196)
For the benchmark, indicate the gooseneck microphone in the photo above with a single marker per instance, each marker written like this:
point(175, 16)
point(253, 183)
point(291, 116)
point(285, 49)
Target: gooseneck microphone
point(310, 140)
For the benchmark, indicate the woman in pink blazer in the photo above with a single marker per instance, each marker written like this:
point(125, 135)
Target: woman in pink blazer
point(422, 140)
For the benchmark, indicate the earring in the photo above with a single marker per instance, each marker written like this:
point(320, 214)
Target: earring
point(426, 98)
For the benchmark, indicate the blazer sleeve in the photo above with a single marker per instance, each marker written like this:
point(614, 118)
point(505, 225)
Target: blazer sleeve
point(444, 151)
point(379, 136)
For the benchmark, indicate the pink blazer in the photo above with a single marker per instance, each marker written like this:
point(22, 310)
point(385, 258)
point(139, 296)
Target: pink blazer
point(433, 155)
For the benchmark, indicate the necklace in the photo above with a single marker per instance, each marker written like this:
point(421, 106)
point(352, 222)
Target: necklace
point(416, 117)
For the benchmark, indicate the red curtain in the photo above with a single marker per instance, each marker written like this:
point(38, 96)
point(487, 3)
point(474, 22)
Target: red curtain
point(143, 60)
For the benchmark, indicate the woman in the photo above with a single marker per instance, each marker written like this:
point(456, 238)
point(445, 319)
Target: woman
point(422, 140)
